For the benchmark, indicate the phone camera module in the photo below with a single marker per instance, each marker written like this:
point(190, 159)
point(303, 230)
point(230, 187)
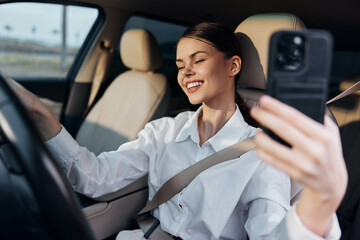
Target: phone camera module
point(290, 52)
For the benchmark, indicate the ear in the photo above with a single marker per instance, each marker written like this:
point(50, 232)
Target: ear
point(235, 65)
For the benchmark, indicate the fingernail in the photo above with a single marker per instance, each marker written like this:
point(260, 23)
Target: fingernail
point(253, 110)
point(265, 98)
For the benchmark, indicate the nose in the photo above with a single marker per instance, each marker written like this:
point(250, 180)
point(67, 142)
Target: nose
point(188, 71)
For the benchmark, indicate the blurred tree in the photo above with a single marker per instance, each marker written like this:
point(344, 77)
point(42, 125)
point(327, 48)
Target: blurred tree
point(8, 28)
point(33, 31)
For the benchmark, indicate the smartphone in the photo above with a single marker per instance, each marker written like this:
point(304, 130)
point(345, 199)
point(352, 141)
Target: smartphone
point(299, 69)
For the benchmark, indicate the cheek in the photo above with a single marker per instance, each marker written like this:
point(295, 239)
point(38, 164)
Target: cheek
point(214, 75)
point(211, 69)
point(179, 79)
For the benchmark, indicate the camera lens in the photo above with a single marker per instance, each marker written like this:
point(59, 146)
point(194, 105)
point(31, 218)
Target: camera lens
point(282, 59)
point(296, 53)
point(297, 40)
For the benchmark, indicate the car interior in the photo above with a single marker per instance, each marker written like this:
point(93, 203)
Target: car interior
point(123, 77)
point(139, 92)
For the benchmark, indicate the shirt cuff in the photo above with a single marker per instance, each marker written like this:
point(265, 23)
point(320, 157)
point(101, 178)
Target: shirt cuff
point(297, 230)
point(63, 147)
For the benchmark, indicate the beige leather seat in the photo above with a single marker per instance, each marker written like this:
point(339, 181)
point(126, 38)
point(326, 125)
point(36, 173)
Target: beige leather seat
point(132, 99)
point(254, 35)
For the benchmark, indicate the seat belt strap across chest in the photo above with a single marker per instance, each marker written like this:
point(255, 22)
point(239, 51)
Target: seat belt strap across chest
point(176, 184)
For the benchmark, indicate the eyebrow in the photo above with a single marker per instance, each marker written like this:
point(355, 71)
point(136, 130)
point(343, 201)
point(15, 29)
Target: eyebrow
point(192, 55)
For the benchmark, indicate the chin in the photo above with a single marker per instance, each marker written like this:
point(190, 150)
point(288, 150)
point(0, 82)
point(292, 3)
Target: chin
point(195, 101)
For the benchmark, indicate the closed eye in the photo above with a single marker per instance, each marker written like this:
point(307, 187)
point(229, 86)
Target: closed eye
point(199, 61)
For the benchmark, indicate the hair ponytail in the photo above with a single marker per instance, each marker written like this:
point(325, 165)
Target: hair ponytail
point(245, 110)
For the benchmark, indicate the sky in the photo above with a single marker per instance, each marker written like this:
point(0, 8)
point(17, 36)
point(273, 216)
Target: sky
point(42, 22)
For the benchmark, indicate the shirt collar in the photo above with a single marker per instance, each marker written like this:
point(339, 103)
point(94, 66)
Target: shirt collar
point(190, 128)
point(234, 130)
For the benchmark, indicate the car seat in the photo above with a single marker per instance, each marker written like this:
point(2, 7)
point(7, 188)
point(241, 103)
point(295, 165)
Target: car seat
point(254, 35)
point(131, 100)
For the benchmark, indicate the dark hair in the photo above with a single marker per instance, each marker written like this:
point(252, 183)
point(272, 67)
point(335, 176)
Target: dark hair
point(224, 40)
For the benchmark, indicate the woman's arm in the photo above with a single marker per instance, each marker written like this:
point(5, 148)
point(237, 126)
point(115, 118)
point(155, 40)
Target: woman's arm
point(89, 174)
point(314, 159)
point(44, 120)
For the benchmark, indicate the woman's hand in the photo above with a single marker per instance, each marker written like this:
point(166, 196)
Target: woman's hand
point(43, 119)
point(314, 159)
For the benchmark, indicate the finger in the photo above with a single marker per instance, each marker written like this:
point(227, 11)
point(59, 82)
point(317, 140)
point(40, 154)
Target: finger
point(294, 173)
point(315, 149)
point(283, 129)
point(270, 159)
point(331, 125)
point(293, 116)
point(297, 167)
point(335, 148)
point(284, 156)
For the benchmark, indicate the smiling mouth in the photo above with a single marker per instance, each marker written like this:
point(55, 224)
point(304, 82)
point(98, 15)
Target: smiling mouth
point(194, 84)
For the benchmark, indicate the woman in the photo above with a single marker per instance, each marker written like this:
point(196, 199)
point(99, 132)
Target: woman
point(232, 199)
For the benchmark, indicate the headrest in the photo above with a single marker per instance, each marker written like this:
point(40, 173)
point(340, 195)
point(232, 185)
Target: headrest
point(140, 51)
point(254, 35)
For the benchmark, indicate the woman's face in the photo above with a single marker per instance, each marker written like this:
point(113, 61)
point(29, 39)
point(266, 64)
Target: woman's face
point(204, 74)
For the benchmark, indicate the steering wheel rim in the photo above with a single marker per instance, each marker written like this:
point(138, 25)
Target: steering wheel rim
point(58, 209)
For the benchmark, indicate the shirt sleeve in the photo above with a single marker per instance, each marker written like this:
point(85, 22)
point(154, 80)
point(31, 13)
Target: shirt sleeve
point(108, 172)
point(297, 231)
point(270, 215)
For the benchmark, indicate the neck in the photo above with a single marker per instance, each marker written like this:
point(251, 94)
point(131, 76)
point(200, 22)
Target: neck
point(211, 120)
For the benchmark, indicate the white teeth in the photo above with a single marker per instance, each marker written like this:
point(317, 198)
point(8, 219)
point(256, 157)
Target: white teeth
point(194, 84)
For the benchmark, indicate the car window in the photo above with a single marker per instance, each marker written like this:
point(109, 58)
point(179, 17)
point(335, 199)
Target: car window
point(42, 39)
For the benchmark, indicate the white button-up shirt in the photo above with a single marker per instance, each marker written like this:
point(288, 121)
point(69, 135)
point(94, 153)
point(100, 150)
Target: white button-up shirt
point(227, 201)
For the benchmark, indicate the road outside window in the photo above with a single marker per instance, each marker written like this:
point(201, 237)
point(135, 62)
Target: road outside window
point(41, 39)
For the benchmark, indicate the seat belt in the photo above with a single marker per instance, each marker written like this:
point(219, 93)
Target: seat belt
point(149, 224)
point(355, 87)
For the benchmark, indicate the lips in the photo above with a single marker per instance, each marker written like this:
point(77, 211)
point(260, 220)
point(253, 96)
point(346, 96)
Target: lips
point(193, 86)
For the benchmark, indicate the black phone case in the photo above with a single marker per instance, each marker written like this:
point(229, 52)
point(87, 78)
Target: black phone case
point(298, 76)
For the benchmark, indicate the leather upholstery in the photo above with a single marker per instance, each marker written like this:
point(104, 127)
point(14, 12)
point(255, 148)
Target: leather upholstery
point(131, 99)
point(254, 35)
point(140, 51)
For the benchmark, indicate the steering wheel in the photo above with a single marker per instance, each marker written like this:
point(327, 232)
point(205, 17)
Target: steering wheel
point(36, 199)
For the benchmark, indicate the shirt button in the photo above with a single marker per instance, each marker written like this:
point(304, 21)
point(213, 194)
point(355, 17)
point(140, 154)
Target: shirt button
point(180, 206)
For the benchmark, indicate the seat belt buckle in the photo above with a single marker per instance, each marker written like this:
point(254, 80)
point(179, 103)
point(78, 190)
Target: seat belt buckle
point(152, 229)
